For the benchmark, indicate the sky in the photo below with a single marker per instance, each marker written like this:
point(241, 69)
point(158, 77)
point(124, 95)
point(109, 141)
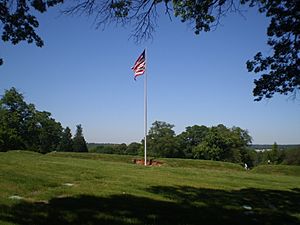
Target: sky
point(83, 76)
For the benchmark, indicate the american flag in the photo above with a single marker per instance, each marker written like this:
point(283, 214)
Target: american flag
point(139, 66)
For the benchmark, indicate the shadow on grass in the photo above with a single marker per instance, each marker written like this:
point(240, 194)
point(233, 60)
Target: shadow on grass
point(183, 205)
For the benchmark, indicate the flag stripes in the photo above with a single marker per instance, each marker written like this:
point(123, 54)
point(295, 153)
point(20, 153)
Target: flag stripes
point(139, 66)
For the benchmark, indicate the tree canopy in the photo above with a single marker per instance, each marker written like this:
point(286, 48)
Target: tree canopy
point(162, 141)
point(201, 142)
point(23, 127)
point(19, 20)
point(279, 71)
point(219, 143)
point(191, 137)
point(222, 143)
point(66, 142)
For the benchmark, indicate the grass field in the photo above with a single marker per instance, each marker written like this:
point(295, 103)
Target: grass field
point(69, 188)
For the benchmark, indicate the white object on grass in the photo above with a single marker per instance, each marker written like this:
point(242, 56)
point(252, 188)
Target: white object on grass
point(68, 184)
point(15, 197)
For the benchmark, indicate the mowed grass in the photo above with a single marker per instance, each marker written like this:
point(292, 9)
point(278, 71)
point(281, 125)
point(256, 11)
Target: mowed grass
point(78, 188)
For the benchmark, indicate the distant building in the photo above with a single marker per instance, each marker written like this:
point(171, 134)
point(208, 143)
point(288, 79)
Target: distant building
point(262, 149)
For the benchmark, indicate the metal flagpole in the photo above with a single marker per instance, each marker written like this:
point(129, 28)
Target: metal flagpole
point(145, 106)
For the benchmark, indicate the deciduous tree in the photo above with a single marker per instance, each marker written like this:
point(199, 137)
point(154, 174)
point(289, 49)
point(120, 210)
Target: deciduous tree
point(24, 127)
point(161, 140)
point(133, 148)
point(49, 132)
point(222, 143)
point(190, 138)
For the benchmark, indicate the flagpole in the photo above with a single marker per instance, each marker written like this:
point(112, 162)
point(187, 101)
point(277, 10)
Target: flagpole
point(145, 108)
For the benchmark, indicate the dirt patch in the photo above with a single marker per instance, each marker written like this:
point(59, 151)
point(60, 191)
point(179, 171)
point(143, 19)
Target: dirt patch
point(150, 162)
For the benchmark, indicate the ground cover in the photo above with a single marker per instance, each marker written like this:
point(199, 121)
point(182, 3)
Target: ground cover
point(70, 188)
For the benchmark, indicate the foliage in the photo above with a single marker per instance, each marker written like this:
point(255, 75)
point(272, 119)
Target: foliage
point(19, 21)
point(121, 148)
point(271, 156)
point(79, 143)
point(216, 143)
point(280, 71)
point(222, 143)
point(106, 149)
point(190, 138)
point(66, 142)
point(49, 132)
point(133, 148)
point(292, 156)
point(25, 128)
point(161, 140)
point(14, 115)
point(200, 142)
point(274, 154)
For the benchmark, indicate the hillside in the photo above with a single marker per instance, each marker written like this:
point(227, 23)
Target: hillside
point(63, 188)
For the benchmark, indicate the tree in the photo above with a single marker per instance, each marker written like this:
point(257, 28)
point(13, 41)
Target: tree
point(275, 156)
point(133, 148)
point(161, 140)
point(190, 138)
point(79, 144)
point(13, 116)
point(66, 143)
point(120, 149)
point(215, 144)
point(280, 71)
point(18, 21)
point(49, 132)
point(222, 143)
point(24, 127)
point(292, 156)
point(105, 149)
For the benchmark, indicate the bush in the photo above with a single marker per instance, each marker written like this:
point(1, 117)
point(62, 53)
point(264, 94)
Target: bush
point(292, 157)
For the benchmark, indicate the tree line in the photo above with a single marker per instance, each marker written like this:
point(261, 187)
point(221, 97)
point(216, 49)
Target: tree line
point(218, 143)
point(196, 142)
point(23, 127)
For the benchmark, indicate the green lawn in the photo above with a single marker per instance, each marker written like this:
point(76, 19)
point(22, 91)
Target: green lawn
point(69, 188)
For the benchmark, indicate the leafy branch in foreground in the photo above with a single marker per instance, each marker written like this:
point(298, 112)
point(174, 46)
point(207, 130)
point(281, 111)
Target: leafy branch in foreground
point(19, 24)
point(281, 70)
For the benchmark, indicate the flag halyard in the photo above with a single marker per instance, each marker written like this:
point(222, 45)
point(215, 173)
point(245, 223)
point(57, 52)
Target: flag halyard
point(139, 66)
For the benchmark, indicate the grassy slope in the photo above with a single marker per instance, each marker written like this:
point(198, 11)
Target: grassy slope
point(108, 189)
point(278, 170)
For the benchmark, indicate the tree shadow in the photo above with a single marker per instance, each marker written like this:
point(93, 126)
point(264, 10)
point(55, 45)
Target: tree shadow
point(183, 205)
point(246, 206)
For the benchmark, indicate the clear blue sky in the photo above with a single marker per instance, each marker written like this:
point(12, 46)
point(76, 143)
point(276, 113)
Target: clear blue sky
point(83, 76)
